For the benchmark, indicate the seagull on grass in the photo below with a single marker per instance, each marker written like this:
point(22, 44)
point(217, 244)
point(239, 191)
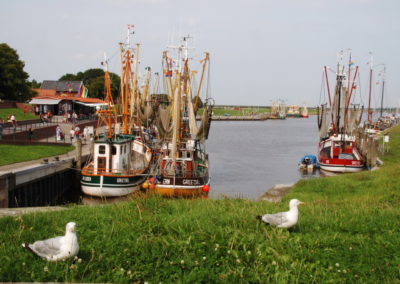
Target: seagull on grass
point(57, 248)
point(283, 219)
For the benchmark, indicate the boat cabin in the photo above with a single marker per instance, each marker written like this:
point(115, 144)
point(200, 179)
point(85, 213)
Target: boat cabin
point(112, 156)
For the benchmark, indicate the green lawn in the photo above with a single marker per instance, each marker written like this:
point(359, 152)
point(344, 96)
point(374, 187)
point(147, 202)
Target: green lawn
point(14, 154)
point(348, 232)
point(19, 115)
point(240, 112)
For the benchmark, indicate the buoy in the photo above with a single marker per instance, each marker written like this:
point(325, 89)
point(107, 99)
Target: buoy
point(152, 186)
point(205, 188)
point(145, 185)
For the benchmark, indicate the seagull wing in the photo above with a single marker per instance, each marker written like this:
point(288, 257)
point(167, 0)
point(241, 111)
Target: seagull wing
point(47, 248)
point(275, 219)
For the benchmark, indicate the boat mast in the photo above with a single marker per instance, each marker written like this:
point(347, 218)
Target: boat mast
point(370, 89)
point(126, 78)
point(204, 61)
point(107, 115)
point(383, 88)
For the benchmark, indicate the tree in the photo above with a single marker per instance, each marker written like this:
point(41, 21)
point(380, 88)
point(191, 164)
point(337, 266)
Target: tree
point(93, 79)
point(68, 77)
point(34, 84)
point(14, 85)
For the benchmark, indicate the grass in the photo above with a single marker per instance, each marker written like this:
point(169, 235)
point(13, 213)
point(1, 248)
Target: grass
point(11, 154)
point(19, 115)
point(347, 233)
point(240, 112)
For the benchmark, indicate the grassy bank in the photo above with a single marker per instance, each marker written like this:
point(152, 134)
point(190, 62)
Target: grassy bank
point(348, 232)
point(11, 154)
point(19, 115)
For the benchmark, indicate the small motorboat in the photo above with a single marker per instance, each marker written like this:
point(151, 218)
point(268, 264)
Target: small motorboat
point(308, 162)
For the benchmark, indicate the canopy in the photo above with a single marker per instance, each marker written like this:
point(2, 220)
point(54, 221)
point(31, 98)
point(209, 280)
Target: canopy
point(44, 102)
point(90, 105)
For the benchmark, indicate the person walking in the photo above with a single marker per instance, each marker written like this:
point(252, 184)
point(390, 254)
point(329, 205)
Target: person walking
point(30, 134)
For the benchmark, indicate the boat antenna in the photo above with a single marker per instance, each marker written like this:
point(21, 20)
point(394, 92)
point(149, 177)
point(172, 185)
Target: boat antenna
point(371, 65)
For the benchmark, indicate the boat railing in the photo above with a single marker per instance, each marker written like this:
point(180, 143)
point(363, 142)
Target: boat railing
point(111, 172)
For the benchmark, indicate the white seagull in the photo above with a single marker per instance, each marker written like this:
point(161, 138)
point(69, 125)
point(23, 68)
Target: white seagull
point(57, 248)
point(283, 219)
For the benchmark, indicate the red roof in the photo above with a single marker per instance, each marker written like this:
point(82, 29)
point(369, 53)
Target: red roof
point(51, 94)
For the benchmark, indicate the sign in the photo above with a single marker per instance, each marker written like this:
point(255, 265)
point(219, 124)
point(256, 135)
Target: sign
point(386, 138)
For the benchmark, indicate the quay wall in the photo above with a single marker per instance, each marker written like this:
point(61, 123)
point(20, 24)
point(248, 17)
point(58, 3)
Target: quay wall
point(42, 184)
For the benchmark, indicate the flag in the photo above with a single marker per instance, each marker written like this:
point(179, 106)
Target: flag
point(84, 92)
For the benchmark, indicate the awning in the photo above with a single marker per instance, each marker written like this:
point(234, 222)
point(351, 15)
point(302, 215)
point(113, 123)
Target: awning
point(44, 102)
point(90, 105)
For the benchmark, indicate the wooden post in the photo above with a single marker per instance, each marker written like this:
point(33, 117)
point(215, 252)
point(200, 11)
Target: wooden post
point(78, 153)
point(7, 183)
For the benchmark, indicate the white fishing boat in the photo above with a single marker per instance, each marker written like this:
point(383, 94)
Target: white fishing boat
point(120, 159)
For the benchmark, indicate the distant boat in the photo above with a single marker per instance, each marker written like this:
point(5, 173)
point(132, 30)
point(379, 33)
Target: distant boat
point(278, 110)
point(338, 149)
point(293, 111)
point(304, 112)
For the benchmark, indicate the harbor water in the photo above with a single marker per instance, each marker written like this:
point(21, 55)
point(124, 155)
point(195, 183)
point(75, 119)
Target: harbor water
point(249, 157)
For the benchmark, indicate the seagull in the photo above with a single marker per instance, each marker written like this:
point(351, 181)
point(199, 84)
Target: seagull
point(57, 248)
point(283, 219)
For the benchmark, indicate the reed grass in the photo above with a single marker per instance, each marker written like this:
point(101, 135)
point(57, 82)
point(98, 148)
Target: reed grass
point(348, 232)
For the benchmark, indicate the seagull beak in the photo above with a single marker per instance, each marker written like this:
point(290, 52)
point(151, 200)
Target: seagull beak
point(302, 203)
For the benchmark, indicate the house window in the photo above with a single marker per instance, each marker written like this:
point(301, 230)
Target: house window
point(102, 149)
point(114, 150)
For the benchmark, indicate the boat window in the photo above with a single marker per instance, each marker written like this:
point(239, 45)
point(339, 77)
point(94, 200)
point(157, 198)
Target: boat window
point(114, 150)
point(102, 149)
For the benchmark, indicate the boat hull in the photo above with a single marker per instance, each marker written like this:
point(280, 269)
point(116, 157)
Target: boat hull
point(340, 167)
point(110, 185)
point(332, 157)
point(182, 187)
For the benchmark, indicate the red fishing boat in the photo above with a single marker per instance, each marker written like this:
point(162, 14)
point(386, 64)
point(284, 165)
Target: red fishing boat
point(338, 148)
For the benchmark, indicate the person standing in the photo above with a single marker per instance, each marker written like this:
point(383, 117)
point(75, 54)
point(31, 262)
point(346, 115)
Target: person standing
point(74, 117)
point(77, 132)
point(72, 133)
point(24, 109)
point(85, 133)
point(13, 120)
point(1, 127)
point(58, 133)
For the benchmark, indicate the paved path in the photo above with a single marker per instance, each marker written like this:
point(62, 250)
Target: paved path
point(6, 212)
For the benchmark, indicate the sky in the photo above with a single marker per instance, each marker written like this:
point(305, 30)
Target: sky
point(260, 50)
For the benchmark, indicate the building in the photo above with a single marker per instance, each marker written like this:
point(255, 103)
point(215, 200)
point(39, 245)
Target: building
point(60, 97)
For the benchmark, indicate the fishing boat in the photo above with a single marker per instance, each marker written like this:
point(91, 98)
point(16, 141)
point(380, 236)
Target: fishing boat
point(293, 111)
point(304, 111)
point(182, 167)
point(338, 150)
point(278, 110)
point(120, 158)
